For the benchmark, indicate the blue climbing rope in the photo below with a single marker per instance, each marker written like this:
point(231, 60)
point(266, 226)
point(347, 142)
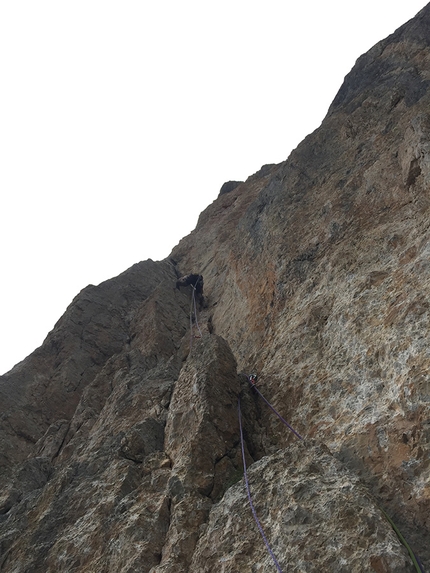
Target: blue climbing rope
point(273, 409)
point(248, 491)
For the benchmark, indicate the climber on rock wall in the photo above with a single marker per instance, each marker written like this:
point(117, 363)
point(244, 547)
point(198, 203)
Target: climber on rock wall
point(196, 281)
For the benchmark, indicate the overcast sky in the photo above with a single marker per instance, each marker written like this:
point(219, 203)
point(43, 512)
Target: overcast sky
point(120, 121)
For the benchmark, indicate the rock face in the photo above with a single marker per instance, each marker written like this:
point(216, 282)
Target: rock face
point(321, 519)
point(119, 437)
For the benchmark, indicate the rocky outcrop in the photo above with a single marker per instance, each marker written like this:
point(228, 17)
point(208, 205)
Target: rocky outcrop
point(229, 186)
point(47, 386)
point(138, 477)
point(119, 443)
point(316, 513)
point(201, 441)
point(331, 247)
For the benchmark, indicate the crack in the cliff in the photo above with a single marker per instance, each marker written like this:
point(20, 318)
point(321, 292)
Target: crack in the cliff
point(21, 434)
point(126, 457)
point(62, 442)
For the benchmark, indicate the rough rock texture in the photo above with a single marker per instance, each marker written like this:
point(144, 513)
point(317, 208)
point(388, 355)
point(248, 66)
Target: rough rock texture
point(320, 519)
point(119, 439)
point(47, 386)
point(229, 186)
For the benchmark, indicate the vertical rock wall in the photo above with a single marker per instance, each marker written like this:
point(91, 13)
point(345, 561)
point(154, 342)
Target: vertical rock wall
point(119, 442)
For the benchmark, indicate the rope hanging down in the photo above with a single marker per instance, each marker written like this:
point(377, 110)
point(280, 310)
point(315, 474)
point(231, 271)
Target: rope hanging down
point(252, 381)
point(417, 563)
point(195, 311)
point(248, 491)
point(194, 307)
point(273, 410)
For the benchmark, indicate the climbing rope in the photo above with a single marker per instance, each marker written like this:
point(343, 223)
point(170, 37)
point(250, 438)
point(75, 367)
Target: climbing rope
point(250, 378)
point(417, 563)
point(252, 381)
point(195, 310)
point(248, 491)
point(191, 323)
point(193, 307)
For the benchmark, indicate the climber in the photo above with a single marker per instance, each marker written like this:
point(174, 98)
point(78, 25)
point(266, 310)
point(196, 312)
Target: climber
point(196, 281)
point(253, 379)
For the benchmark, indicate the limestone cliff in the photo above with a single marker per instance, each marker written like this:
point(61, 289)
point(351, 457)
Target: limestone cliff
point(119, 437)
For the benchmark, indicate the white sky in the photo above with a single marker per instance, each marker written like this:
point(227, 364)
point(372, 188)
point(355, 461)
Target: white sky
point(120, 121)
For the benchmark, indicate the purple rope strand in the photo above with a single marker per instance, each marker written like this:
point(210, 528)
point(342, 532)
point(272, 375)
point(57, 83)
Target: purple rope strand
point(419, 564)
point(191, 325)
point(277, 413)
point(246, 478)
point(248, 491)
point(195, 311)
point(193, 305)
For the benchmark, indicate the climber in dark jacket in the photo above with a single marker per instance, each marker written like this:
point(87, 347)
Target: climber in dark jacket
point(196, 281)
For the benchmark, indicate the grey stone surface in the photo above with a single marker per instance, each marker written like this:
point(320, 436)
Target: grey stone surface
point(119, 443)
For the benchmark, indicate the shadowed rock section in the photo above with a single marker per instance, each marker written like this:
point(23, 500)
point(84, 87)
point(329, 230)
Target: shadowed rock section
point(119, 441)
point(201, 437)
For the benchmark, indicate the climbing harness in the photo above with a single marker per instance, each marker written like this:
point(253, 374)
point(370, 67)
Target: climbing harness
point(252, 380)
point(248, 491)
